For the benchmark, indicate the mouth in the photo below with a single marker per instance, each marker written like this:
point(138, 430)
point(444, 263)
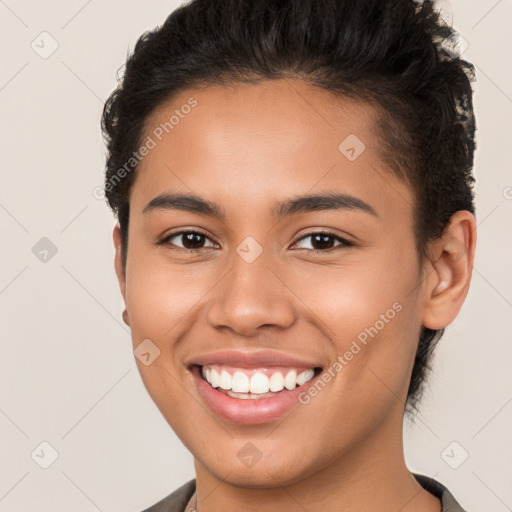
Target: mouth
point(255, 383)
point(251, 389)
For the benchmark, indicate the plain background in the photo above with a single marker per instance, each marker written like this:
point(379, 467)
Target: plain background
point(67, 372)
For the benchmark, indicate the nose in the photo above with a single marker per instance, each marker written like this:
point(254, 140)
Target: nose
point(251, 296)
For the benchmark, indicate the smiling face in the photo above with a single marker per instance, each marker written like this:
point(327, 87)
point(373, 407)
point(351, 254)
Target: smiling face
point(259, 290)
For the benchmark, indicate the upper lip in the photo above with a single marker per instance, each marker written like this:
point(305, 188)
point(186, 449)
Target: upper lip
point(251, 359)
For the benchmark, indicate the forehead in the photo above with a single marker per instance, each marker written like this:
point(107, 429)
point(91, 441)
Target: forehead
point(248, 144)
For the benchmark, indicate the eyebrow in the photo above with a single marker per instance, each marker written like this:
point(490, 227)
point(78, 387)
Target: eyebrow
point(300, 204)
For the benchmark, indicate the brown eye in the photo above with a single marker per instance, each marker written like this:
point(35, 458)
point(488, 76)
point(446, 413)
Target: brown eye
point(323, 241)
point(192, 240)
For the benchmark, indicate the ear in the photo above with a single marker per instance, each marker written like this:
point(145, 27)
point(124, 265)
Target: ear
point(119, 267)
point(450, 271)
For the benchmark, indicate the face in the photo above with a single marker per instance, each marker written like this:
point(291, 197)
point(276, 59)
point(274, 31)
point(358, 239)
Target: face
point(304, 314)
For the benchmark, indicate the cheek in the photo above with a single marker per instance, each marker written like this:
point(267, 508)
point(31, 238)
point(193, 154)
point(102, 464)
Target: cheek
point(161, 301)
point(352, 296)
point(371, 318)
point(159, 296)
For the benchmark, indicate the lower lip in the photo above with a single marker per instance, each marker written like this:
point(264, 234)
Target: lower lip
point(248, 411)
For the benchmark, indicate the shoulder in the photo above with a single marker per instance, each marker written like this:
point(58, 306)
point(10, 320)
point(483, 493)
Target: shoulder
point(448, 502)
point(175, 502)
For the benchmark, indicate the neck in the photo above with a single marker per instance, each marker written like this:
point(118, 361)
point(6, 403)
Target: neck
point(372, 475)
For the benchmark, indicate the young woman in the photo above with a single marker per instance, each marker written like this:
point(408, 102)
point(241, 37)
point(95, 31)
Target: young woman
point(296, 227)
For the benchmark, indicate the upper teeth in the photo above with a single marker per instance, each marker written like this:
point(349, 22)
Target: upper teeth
point(239, 382)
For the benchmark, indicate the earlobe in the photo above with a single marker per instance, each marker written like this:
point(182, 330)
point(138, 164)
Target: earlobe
point(126, 318)
point(450, 273)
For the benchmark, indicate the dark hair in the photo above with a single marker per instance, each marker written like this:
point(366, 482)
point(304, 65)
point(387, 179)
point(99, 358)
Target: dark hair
point(398, 55)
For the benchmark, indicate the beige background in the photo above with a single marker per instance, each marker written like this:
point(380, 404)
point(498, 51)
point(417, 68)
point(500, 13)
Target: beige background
point(67, 372)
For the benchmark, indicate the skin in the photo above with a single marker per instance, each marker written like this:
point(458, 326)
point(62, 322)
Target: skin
point(246, 148)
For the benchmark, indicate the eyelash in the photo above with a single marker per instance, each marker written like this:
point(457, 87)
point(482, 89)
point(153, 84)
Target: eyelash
point(344, 243)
